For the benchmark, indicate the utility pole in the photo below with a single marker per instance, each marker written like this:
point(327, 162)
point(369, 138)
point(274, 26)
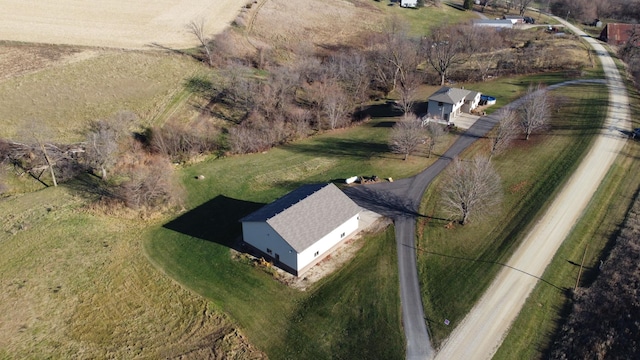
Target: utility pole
point(581, 265)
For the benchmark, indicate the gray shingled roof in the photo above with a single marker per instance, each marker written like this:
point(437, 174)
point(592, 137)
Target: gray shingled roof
point(305, 215)
point(449, 95)
point(471, 95)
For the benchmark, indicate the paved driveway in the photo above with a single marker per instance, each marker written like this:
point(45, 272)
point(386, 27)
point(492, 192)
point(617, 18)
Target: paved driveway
point(400, 200)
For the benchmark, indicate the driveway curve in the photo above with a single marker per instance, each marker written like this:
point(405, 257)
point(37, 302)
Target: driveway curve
point(480, 334)
point(400, 201)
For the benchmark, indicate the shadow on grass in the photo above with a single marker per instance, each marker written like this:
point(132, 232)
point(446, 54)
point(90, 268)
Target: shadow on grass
point(341, 147)
point(217, 220)
point(455, 6)
point(385, 110)
point(487, 262)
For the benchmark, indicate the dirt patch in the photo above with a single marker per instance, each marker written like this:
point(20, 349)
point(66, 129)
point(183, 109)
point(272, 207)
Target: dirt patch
point(16, 60)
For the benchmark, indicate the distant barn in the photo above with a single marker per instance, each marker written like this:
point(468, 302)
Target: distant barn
point(618, 34)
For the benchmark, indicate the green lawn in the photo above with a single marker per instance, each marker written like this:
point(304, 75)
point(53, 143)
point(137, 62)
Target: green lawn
point(422, 20)
point(352, 304)
point(457, 265)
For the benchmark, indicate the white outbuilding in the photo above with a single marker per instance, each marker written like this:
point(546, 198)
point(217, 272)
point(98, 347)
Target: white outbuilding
point(299, 229)
point(409, 3)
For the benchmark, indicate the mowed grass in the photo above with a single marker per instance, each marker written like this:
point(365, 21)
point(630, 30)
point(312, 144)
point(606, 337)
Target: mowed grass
point(355, 313)
point(542, 315)
point(422, 20)
point(77, 284)
point(287, 323)
point(67, 97)
point(456, 265)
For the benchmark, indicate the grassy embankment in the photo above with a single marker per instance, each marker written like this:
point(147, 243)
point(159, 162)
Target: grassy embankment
point(543, 312)
point(360, 297)
point(456, 265)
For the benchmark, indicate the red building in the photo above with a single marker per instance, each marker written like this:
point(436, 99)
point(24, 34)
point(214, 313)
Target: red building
point(618, 34)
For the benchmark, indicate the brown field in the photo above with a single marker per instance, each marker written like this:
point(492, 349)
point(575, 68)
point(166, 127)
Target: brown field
point(68, 89)
point(112, 23)
point(76, 284)
point(325, 23)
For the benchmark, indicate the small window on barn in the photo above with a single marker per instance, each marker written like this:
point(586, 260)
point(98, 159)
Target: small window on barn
point(440, 103)
point(269, 251)
point(316, 253)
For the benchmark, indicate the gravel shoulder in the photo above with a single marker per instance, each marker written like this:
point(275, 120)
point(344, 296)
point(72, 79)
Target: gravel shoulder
point(482, 331)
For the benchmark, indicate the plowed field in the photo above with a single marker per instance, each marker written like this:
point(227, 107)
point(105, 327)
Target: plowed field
point(113, 23)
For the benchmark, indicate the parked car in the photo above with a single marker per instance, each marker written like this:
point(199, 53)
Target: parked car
point(529, 20)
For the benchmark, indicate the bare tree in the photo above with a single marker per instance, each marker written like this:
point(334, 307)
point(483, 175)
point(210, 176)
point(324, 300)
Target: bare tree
point(382, 72)
point(335, 107)
point(631, 48)
point(435, 133)
point(104, 138)
point(148, 182)
point(522, 5)
point(483, 45)
point(505, 132)
point(471, 189)
point(395, 57)
point(443, 49)
point(534, 111)
point(406, 136)
point(182, 141)
point(196, 27)
point(41, 134)
point(408, 89)
point(353, 73)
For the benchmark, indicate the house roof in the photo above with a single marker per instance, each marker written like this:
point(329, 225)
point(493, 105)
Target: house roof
point(471, 95)
point(449, 95)
point(305, 215)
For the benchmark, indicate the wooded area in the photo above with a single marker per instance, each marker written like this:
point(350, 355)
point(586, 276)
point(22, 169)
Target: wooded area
point(604, 322)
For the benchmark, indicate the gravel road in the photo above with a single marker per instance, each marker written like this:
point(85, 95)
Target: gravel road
point(482, 331)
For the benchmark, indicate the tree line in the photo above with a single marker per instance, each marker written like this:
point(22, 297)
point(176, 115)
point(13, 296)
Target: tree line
point(603, 322)
point(126, 167)
point(267, 98)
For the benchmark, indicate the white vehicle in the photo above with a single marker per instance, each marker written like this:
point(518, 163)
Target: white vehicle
point(409, 3)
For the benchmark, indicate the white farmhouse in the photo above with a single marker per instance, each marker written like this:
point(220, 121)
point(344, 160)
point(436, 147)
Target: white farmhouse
point(298, 230)
point(446, 103)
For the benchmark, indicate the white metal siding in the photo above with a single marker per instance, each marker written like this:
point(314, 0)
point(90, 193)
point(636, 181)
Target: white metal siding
point(327, 242)
point(262, 236)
